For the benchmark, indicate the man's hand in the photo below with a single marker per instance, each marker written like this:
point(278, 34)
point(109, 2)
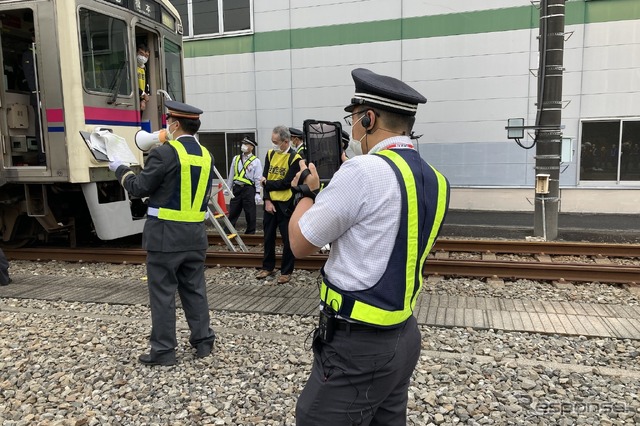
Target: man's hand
point(258, 199)
point(312, 180)
point(269, 207)
point(113, 165)
point(263, 180)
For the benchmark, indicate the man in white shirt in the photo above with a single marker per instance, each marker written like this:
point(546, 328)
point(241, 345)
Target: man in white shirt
point(244, 180)
point(382, 213)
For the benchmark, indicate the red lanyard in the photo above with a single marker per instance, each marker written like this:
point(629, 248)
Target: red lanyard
point(400, 145)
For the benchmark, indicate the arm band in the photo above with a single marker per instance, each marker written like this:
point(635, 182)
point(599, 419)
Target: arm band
point(305, 191)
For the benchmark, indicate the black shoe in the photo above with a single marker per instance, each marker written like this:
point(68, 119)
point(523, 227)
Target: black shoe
point(7, 283)
point(164, 359)
point(204, 349)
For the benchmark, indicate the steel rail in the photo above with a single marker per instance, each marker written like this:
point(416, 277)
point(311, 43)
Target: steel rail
point(500, 246)
point(445, 267)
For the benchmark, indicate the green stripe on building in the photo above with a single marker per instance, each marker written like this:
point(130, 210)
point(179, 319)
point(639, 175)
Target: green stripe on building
point(476, 22)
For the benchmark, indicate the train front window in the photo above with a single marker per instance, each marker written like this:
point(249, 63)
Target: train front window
point(105, 63)
point(173, 70)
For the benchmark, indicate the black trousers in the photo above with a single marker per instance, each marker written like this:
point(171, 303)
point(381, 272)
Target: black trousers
point(244, 198)
point(360, 378)
point(4, 269)
point(184, 272)
point(271, 222)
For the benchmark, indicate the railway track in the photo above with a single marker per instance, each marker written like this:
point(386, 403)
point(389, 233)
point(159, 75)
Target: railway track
point(499, 246)
point(542, 267)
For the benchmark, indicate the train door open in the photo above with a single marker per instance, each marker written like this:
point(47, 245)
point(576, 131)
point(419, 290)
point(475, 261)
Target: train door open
point(20, 94)
point(148, 78)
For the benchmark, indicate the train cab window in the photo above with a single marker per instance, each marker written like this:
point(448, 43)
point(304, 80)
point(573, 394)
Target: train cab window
point(173, 70)
point(105, 62)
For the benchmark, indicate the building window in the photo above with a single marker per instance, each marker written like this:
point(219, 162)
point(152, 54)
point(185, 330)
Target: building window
point(610, 151)
point(223, 147)
point(214, 17)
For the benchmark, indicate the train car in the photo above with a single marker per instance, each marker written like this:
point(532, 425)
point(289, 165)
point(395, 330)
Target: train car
point(69, 67)
point(259, 64)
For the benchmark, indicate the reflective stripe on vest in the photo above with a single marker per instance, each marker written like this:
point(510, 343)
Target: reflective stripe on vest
point(191, 210)
point(386, 304)
point(239, 175)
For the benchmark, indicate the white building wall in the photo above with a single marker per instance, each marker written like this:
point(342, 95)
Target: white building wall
point(473, 82)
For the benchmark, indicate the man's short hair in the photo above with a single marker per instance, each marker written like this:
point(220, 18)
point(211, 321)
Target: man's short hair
point(283, 133)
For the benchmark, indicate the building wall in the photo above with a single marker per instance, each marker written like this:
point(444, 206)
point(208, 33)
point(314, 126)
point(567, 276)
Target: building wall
point(476, 62)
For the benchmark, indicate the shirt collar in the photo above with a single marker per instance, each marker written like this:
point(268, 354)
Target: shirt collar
point(394, 140)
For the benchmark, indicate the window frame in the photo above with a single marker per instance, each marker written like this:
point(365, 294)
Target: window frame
point(618, 181)
point(84, 55)
point(231, 147)
point(188, 29)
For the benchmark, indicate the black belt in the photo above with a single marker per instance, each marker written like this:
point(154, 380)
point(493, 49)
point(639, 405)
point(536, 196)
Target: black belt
point(356, 327)
point(241, 184)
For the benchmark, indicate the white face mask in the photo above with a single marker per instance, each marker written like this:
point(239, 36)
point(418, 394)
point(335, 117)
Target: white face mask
point(142, 60)
point(244, 149)
point(168, 129)
point(277, 147)
point(356, 146)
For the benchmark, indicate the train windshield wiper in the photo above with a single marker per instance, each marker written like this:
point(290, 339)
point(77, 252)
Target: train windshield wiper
point(115, 83)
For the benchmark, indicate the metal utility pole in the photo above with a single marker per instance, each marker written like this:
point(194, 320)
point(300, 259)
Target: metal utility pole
point(549, 116)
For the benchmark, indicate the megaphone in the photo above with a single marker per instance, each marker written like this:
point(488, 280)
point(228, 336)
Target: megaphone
point(145, 140)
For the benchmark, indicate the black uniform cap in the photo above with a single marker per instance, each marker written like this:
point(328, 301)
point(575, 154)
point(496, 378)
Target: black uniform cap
point(248, 141)
point(180, 110)
point(295, 133)
point(384, 92)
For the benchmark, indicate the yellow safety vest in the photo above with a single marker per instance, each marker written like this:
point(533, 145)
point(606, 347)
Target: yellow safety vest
point(238, 174)
point(191, 209)
point(425, 200)
point(279, 164)
point(142, 78)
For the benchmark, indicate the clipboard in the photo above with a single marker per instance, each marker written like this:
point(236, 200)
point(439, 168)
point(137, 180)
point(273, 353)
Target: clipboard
point(99, 156)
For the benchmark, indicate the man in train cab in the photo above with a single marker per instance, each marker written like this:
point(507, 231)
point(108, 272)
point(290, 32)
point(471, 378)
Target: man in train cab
point(367, 343)
point(297, 138)
point(30, 73)
point(142, 56)
point(280, 166)
point(174, 234)
point(245, 174)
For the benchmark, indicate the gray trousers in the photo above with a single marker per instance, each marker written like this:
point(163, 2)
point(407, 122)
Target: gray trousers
point(184, 272)
point(360, 378)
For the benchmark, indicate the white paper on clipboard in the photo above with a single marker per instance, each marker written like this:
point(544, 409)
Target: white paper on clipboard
point(113, 146)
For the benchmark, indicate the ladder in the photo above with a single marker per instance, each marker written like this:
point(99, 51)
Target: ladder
point(225, 229)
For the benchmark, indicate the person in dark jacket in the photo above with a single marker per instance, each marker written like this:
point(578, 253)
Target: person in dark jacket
point(177, 179)
point(4, 269)
point(280, 166)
